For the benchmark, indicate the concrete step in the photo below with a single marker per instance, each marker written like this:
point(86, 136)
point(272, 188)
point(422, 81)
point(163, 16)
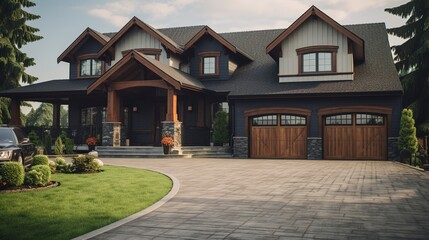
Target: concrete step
point(158, 152)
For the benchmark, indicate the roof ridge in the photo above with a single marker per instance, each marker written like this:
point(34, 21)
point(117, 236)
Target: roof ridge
point(202, 25)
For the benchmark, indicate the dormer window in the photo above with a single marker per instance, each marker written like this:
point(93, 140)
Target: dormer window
point(317, 59)
point(90, 67)
point(209, 64)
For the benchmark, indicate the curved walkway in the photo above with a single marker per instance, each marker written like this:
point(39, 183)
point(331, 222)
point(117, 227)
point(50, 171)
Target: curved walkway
point(284, 199)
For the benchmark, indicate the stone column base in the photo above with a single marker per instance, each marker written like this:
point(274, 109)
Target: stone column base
point(392, 148)
point(314, 148)
point(173, 129)
point(111, 134)
point(241, 147)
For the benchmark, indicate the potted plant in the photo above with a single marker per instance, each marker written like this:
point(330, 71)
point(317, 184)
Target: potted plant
point(91, 142)
point(167, 143)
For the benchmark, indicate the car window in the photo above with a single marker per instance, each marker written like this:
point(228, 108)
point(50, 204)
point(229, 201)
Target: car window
point(19, 134)
point(6, 136)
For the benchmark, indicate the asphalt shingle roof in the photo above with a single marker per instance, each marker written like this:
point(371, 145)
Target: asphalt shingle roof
point(259, 77)
point(376, 74)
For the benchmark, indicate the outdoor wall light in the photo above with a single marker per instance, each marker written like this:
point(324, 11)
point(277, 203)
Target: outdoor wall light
point(134, 109)
point(190, 108)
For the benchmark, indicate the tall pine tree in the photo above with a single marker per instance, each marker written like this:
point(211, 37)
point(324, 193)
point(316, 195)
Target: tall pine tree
point(15, 33)
point(412, 58)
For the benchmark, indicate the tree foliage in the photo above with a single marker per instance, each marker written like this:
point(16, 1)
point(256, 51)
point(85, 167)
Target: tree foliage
point(15, 33)
point(43, 116)
point(220, 128)
point(407, 132)
point(412, 57)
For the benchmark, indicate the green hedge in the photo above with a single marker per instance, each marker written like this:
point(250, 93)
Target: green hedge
point(40, 160)
point(39, 175)
point(12, 173)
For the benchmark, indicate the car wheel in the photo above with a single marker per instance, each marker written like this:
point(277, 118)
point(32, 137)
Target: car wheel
point(20, 159)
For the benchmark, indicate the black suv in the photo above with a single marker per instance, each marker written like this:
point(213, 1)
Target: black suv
point(15, 146)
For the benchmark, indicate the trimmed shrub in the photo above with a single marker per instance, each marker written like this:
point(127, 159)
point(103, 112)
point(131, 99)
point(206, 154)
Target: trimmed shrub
point(62, 166)
point(220, 128)
point(52, 166)
point(46, 171)
point(60, 161)
point(68, 142)
point(40, 160)
point(99, 162)
point(34, 178)
point(58, 148)
point(12, 173)
point(34, 138)
point(407, 133)
point(85, 164)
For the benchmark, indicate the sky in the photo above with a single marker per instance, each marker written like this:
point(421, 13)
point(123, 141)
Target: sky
point(62, 21)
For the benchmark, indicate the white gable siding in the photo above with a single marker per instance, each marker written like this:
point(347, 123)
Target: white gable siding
point(314, 32)
point(138, 38)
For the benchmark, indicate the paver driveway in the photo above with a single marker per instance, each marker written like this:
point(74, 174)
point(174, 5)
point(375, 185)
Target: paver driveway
point(284, 199)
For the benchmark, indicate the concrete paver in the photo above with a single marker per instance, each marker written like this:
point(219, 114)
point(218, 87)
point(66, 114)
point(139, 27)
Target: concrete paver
point(284, 199)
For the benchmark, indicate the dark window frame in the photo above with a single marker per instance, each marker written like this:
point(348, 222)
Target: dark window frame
point(316, 50)
point(92, 58)
point(266, 121)
point(338, 117)
point(295, 120)
point(368, 117)
point(211, 54)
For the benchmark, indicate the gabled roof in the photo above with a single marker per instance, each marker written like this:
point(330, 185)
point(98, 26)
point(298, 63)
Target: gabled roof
point(174, 77)
point(219, 38)
point(88, 32)
point(377, 75)
point(315, 12)
point(166, 41)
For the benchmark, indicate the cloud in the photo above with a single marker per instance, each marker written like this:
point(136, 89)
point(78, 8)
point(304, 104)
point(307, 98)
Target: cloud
point(109, 16)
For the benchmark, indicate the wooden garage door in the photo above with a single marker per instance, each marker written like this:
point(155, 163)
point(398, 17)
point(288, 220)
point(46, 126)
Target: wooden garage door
point(355, 136)
point(278, 136)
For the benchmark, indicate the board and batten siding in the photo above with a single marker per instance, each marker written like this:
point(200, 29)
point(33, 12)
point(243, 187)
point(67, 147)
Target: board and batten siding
point(138, 38)
point(314, 32)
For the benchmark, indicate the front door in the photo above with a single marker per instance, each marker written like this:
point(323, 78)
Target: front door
point(141, 130)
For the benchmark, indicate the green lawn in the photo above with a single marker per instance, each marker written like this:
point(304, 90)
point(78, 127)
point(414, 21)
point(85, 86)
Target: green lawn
point(82, 203)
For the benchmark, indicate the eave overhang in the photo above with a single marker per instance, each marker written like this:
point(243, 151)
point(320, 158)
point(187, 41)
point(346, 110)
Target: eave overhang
point(67, 54)
point(313, 12)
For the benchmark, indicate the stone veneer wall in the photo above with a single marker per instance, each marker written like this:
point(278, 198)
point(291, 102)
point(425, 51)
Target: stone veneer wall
point(111, 134)
point(392, 148)
point(314, 148)
point(241, 147)
point(174, 129)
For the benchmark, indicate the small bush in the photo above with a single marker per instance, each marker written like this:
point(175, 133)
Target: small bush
point(85, 163)
point(46, 171)
point(48, 143)
point(58, 147)
point(12, 173)
point(60, 161)
point(34, 138)
point(220, 128)
point(99, 162)
point(34, 178)
point(53, 166)
point(40, 160)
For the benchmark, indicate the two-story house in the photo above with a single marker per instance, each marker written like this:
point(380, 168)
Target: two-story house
point(316, 90)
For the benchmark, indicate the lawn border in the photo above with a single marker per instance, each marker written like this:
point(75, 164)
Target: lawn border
point(174, 190)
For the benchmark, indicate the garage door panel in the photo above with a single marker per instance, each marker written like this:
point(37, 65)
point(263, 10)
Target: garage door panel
point(263, 142)
point(292, 142)
point(370, 142)
point(338, 142)
point(363, 138)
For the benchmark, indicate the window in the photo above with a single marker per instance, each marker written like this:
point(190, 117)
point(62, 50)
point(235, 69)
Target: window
point(342, 119)
point(90, 67)
point(292, 120)
point(317, 59)
point(369, 119)
point(209, 64)
point(89, 116)
point(266, 120)
point(317, 62)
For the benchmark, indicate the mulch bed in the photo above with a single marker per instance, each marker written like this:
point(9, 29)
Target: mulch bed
point(24, 188)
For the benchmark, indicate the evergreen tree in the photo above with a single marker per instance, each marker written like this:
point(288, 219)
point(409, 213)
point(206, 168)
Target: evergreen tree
point(41, 117)
point(412, 57)
point(220, 128)
point(15, 33)
point(407, 133)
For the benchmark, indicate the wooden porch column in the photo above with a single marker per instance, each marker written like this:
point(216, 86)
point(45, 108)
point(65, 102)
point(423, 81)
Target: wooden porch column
point(171, 106)
point(15, 112)
point(113, 106)
point(201, 113)
point(56, 116)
